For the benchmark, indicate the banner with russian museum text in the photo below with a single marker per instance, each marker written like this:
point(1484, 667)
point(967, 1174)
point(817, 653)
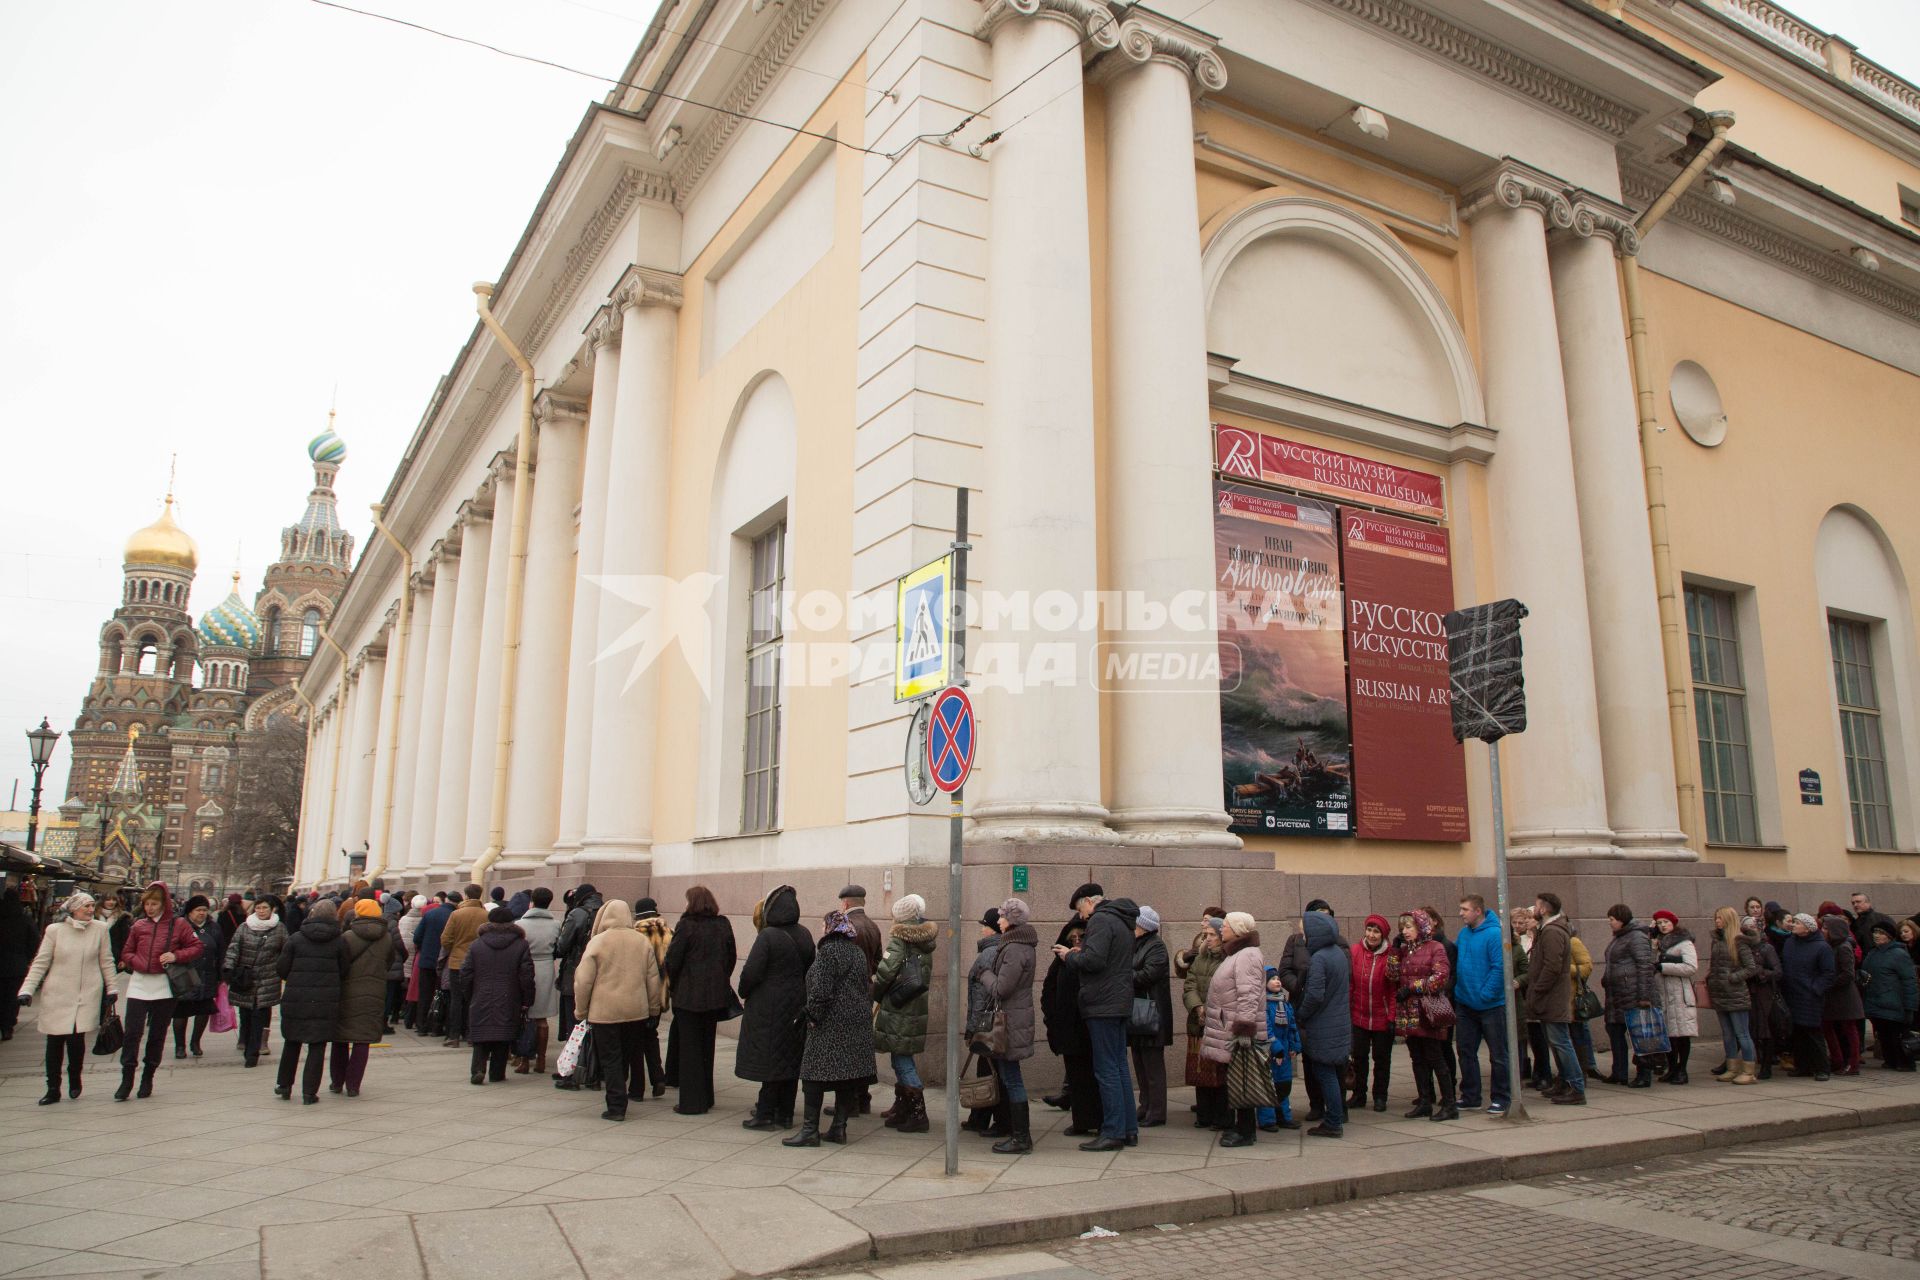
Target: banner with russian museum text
point(1283, 687)
point(1409, 774)
point(1254, 455)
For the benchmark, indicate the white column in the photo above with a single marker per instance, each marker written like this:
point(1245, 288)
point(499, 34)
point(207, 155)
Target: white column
point(400, 840)
point(383, 744)
point(546, 615)
point(1040, 741)
point(603, 337)
point(620, 799)
point(431, 730)
point(1622, 600)
point(1166, 731)
point(457, 745)
point(1557, 799)
point(492, 639)
point(362, 748)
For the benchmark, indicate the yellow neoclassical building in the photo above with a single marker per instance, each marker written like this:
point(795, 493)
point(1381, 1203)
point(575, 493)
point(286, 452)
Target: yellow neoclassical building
point(1260, 333)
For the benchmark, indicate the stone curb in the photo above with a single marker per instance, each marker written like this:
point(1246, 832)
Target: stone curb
point(996, 1219)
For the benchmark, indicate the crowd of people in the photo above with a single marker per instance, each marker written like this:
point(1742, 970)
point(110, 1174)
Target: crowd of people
point(493, 974)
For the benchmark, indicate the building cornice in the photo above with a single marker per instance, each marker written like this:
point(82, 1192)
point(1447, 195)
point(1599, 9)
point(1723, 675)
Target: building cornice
point(1297, 408)
point(640, 286)
point(1596, 216)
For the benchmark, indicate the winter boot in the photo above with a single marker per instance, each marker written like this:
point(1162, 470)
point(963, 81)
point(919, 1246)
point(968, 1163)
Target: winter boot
point(1020, 1141)
point(53, 1087)
point(847, 1105)
point(1743, 1073)
point(1286, 1114)
point(73, 1078)
point(1445, 1111)
point(540, 1046)
point(1642, 1075)
point(1001, 1123)
point(1421, 1107)
point(146, 1082)
point(1724, 1072)
point(809, 1135)
point(761, 1121)
point(913, 1118)
point(125, 1090)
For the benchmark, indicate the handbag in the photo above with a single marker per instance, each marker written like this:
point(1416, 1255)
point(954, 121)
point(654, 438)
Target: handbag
point(1250, 1077)
point(1648, 1030)
point(733, 1007)
point(993, 1041)
point(111, 1035)
point(523, 1043)
point(910, 983)
point(1144, 1020)
point(437, 1014)
point(224, 1019)
point(978, 1092)
point(184, 981)
point(1586, 1005)
point(1436, 1011)
point(570, 1052)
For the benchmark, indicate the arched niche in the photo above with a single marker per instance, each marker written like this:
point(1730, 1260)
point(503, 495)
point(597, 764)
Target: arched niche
point(1307, 294)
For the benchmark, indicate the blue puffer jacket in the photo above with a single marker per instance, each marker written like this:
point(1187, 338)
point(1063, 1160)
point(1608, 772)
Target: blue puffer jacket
point(1807, 971)
point(1326, 1023)
point(1476, 971)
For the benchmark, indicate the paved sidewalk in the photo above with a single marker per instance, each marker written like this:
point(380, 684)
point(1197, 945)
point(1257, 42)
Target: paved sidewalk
point(425, 1175)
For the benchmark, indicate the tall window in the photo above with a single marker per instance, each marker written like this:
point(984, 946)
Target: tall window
point(309, 632)
point(760, 800)
point(1720, 718)
point(271, 639)
point(1868, 793)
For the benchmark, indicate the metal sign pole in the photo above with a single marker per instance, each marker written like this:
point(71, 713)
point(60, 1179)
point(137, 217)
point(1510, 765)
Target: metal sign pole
point(1517, 1109)
point(956, 999)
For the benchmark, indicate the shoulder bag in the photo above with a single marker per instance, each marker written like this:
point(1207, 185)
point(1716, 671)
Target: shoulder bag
point(1586, 1005)
point(1250, 1077)
point(111, 1035)
point(910, 983)
point(978, 1092)
point(1144, 1020)
point(184, 981)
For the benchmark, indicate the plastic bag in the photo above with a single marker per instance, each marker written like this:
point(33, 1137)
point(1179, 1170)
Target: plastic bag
point(224, 1018)
point(571, 1051)
point(1648, 1030)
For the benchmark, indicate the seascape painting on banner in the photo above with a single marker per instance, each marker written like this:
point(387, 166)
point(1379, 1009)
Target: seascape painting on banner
point(1284, 729)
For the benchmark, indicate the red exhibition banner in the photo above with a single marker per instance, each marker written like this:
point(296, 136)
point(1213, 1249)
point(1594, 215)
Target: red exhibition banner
point(1240, 453)
point(1410, 780)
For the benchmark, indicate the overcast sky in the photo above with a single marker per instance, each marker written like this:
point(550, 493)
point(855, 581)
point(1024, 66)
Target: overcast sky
point(217, 212)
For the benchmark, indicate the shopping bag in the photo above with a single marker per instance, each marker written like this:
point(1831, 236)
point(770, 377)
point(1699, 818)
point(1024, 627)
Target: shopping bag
point(524, 1042)
point(224, 1018)
point(1648, 1030)
point(1250, 1079)
point(570, 1052)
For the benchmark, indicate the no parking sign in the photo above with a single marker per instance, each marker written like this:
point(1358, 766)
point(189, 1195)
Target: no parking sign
point(950, 739)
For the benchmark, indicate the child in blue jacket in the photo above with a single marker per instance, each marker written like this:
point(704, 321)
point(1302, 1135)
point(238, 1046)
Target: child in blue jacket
point(1283, 1035)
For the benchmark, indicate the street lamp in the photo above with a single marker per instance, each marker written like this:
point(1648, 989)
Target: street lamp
point(40, 742)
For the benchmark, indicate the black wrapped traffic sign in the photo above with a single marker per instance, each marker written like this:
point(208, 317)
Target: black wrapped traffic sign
point(1483, 656)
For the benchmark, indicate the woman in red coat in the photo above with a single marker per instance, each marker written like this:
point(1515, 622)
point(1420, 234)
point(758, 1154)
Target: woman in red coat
point(1423, 1014)
point(1371, 996)
point(158, 938)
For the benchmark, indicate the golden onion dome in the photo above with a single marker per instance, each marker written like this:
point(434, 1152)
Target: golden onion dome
point(163, 543)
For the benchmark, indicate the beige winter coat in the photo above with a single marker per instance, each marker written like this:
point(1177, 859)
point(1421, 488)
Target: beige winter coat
point(73, 967)
point(618, 978)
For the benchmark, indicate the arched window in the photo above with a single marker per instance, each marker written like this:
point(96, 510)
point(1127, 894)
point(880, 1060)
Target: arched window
point(149, 656)
point(271, 636)
point(309, 632)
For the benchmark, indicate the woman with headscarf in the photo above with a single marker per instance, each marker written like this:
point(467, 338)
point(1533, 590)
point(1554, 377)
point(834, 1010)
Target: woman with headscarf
point(312, 967)
point(617, 990)
point(773, 1032)
point(1678, 960)
point(157, 940)
point(70, 978)
point(18, 942)
point(1422, 1013)
point(700, 966)
point(900, 1014)
point(252, 975)
point(196, 1010)
point(1152, 975)
point(363, 992)
point(1843, 1009)
point(499, 974)
point(1195, 967)
point(840, 1039)
point(1012, 990)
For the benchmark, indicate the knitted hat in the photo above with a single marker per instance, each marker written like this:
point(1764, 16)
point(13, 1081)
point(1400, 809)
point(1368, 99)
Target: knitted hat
point(854, 891)
point(990, 918)
point(1664, 914)
point(367, 909)
point(499, 915)
point(1829, 909)
point(196, 901)
point(909, 907)
point(1084, 891)
point(1149, 920)
point(1014, 912)
point(1807, 920)
point(1380, 922)
point(1882, 926)
point(1241, 923)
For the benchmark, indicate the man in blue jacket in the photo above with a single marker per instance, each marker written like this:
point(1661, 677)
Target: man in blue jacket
point(426, 949)
point(1480, 1004)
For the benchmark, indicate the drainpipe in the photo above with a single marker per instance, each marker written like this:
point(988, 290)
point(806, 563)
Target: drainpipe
point(1673, 630)
point(333, 783)
point(306, 774)
point(516, 585)
point(399, 682)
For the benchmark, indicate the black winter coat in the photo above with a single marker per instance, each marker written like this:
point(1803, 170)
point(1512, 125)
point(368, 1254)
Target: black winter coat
point(1013, 963)
point(252, 967)
point(1807, 973)
point(1632, 978)
point(1765, 1020)
point(1060, 1002)
point(312, 968)
point(1105, 960)
point(575, 932)
point(1843, 1002)
point(839, 1015)
point(500, 967)
point(1153, 977)
point(363, 994)
point(773, 986)
point(700, 964)
point(1294, 961)
point(207, 965)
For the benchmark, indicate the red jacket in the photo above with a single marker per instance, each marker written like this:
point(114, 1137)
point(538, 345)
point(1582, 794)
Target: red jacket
point(149, 939)
point(1371, 991)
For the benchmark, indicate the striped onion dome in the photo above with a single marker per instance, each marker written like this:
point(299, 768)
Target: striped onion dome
point(230, 624)
point(327, 448)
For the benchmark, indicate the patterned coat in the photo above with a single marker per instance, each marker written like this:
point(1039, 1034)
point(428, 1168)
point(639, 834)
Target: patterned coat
point(840, 1044)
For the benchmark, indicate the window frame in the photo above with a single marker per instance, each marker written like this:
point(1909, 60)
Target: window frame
point(1720, 697)
point(1861, 714)
point(763, 708)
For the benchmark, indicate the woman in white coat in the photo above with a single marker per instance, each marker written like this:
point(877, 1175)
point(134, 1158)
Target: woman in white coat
point(1679, 963)
point(68, 982)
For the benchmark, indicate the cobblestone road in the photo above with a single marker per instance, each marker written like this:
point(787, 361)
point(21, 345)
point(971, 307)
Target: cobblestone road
point(1845, 1207)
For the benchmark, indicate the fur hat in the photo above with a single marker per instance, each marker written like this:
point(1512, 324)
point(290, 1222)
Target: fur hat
point(1014, 912)
point(909, 907)
point(197, 900)
point(498, 915)
point(1149, 919)
point(645, 909)
point(1084, 891)
point(1241, 923)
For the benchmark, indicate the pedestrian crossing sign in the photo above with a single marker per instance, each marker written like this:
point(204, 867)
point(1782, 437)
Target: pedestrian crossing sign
point(923, 630)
